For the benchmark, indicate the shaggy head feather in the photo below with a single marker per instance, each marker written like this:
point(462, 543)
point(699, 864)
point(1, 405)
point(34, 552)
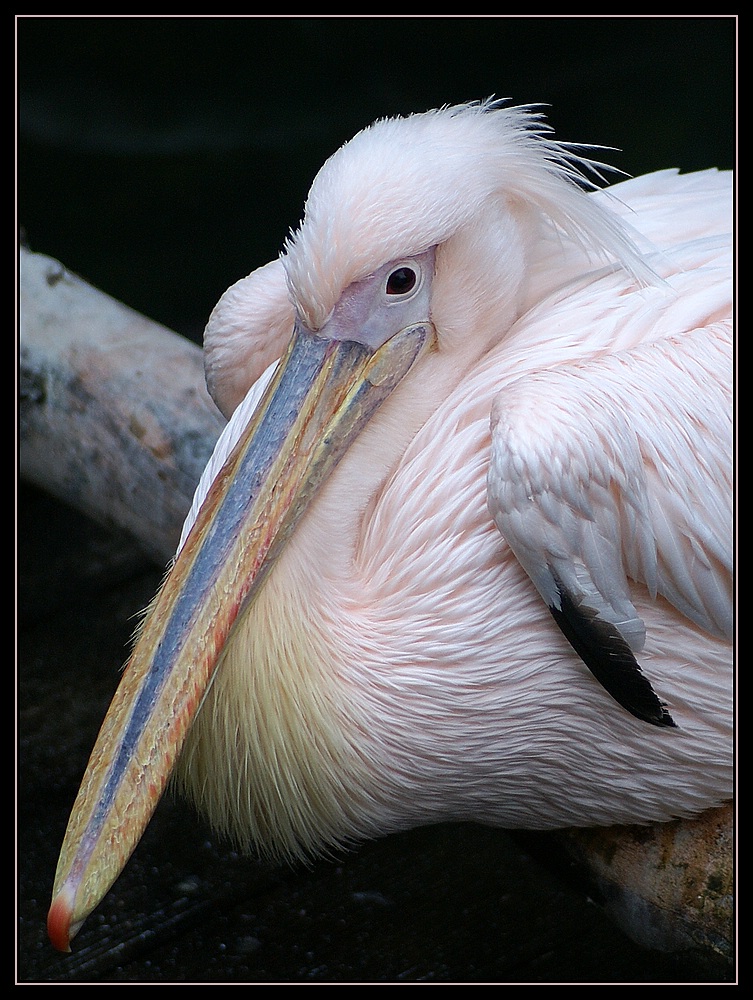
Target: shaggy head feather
point(411, 183)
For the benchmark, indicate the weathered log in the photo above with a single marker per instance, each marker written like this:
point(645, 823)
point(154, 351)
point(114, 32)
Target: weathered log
point(669, 886)
point(115, 421)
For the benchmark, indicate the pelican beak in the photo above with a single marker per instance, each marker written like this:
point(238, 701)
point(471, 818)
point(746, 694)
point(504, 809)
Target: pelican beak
point(324, 391)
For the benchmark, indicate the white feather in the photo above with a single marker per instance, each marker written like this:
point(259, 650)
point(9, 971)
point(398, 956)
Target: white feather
point(401, 667)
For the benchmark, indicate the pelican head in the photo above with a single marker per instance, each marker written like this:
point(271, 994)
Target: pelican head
point(345, 643)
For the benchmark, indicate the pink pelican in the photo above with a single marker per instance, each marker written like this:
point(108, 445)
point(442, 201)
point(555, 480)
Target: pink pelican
point(464, 550)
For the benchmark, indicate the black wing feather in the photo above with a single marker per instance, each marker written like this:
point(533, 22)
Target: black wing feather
point(610, 659)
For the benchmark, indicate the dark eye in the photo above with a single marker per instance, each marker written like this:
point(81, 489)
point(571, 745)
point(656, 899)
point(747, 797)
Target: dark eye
point(401, 281)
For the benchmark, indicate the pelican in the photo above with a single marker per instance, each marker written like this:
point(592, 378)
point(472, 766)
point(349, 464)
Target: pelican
point(464, 549)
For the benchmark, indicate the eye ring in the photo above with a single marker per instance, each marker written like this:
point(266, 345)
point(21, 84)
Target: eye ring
point(402, 281)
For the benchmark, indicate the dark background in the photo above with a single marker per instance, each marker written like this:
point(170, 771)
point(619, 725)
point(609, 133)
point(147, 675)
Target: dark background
point(161, 159)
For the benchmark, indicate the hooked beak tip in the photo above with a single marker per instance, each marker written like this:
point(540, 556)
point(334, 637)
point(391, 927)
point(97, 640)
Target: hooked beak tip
point(59, 927)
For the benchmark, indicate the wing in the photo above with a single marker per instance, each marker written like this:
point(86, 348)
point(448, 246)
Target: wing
point(244, 339)
point(247, 331)
point(618, 471)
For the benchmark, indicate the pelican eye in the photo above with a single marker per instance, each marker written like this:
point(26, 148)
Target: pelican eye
point(401, 281)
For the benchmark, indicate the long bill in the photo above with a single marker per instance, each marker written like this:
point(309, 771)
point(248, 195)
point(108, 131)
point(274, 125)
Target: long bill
point(321, 396)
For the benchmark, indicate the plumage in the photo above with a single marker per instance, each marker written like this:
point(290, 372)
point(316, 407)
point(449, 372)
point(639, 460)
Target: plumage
point(588, 475)
point(556, 452)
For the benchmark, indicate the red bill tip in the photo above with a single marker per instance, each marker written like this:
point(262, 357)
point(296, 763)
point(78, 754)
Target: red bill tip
point(59, 921)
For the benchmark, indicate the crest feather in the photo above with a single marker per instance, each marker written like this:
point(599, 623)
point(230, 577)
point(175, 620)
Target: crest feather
point(403, 185)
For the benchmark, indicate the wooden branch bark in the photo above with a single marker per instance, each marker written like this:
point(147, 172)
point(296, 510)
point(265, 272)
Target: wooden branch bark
point(115, 421)
point(669, 886)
